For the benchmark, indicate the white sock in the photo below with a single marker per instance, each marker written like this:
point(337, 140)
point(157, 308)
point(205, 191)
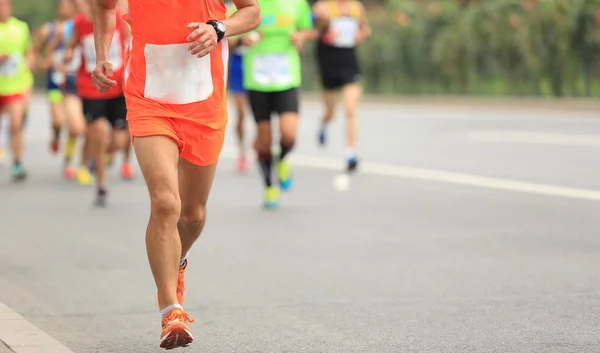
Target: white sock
point(350, 154)
point(184, 258)
point(166, 310)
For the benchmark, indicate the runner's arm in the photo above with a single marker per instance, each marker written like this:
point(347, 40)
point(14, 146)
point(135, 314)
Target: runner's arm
point(245, 19)
point(40, 37)
point(51, 46)
point(365, 29)
point(105, 23)
point(29, 53)
point(305, 27)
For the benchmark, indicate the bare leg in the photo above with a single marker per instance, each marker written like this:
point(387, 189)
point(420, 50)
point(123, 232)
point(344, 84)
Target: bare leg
point(194, 187)
point(158, 157)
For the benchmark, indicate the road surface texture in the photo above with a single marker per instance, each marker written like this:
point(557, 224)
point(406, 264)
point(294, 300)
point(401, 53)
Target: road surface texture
point(468, 230)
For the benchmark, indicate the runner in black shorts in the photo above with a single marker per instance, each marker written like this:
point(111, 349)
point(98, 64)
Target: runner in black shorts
point(343, 26)
point(272, 76)
point(99, 108)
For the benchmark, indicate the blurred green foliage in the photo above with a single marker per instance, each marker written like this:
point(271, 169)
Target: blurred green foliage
point(486, 47)
point(475, 47)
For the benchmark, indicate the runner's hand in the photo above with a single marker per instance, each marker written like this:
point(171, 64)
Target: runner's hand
point(203, 38)
point(298, 39)
point(68, 56)
point(101, 74)
point(250, 39)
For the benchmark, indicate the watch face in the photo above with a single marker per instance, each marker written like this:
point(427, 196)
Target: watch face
point(220, 26)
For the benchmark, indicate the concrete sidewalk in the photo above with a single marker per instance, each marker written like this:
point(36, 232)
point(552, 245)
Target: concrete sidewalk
point(18, 335)
point(4, 348)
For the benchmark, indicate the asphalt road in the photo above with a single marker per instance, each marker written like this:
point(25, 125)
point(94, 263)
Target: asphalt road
point(469, 229)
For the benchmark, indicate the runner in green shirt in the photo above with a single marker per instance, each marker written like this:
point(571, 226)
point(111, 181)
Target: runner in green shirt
point(272, 77)
point(16, 60)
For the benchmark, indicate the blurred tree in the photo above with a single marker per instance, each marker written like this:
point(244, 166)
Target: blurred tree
point(491, 47)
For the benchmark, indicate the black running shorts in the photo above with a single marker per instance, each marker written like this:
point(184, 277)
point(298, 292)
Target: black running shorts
point(114, 110)
point(264, 104)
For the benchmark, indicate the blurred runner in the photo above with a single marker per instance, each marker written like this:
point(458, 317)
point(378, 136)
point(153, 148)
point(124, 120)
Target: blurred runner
point(272, 77)
point(177, 111)
point(100, 109)
point(342, 25)
point(63, 75)
point(120, 138)
point(64, 10)
point(17, 58)
point(238, 46)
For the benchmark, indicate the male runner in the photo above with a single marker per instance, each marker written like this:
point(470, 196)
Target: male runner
point(17, 58)
point(343, 26)
point(177, 111)
point(272, 77)
point(99, 108)
point(64, 10)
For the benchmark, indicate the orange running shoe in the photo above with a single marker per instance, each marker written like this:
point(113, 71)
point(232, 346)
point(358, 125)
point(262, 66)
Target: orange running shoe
point(180, 286)
point(70, 173)
point(242, 165)
point(126, 171)
point(175, 331)
point(54, 146)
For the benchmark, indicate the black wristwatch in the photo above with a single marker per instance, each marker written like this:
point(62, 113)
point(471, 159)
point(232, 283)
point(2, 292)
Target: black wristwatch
point(219, 28)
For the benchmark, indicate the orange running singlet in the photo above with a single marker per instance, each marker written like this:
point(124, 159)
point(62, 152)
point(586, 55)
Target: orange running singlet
point(169, 91)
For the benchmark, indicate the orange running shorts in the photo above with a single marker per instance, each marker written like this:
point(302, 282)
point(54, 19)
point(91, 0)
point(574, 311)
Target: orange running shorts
point(198, 143)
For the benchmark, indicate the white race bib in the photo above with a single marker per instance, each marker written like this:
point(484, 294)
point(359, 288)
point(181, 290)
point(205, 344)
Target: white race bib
point(272, 69)
point(115, 55)
point(58, 77)
point(75, 63)
point(174, 76)
point(346, 29)
point(10, 67)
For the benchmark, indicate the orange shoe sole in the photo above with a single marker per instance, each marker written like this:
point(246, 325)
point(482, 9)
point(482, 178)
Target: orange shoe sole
point(178, 336)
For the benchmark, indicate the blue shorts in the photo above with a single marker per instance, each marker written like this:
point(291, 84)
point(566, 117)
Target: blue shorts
point(51, 85)
point(236, 74)
point(69, 87)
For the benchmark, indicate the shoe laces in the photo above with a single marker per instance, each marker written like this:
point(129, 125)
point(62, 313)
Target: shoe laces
point(177, 315)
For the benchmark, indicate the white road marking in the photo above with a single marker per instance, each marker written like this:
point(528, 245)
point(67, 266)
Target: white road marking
point(22, 336)
point(531, 137)
point(441, 176)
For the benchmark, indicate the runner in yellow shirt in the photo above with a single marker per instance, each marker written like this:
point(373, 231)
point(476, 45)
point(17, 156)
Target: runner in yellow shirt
point(16, 80)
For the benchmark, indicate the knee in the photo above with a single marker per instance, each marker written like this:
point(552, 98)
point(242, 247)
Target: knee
point(165, 205)
point(97, 132)
point(263, 142)
point(16, 127)
point(288, 142)
point(193, 215)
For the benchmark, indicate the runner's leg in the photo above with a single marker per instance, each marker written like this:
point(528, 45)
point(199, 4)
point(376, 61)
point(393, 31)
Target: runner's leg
point(158, 157)
point(351, 95)
point(329, 98)
point(240, 107)
point(57, 113)
point(262, 106)
point(16, 111)
point(98, 140)
point(76, 123)
point(4, 133)
point(195, 183)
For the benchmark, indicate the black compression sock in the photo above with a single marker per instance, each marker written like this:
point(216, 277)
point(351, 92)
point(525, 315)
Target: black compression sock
point(265, 161)
point(285, 149)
